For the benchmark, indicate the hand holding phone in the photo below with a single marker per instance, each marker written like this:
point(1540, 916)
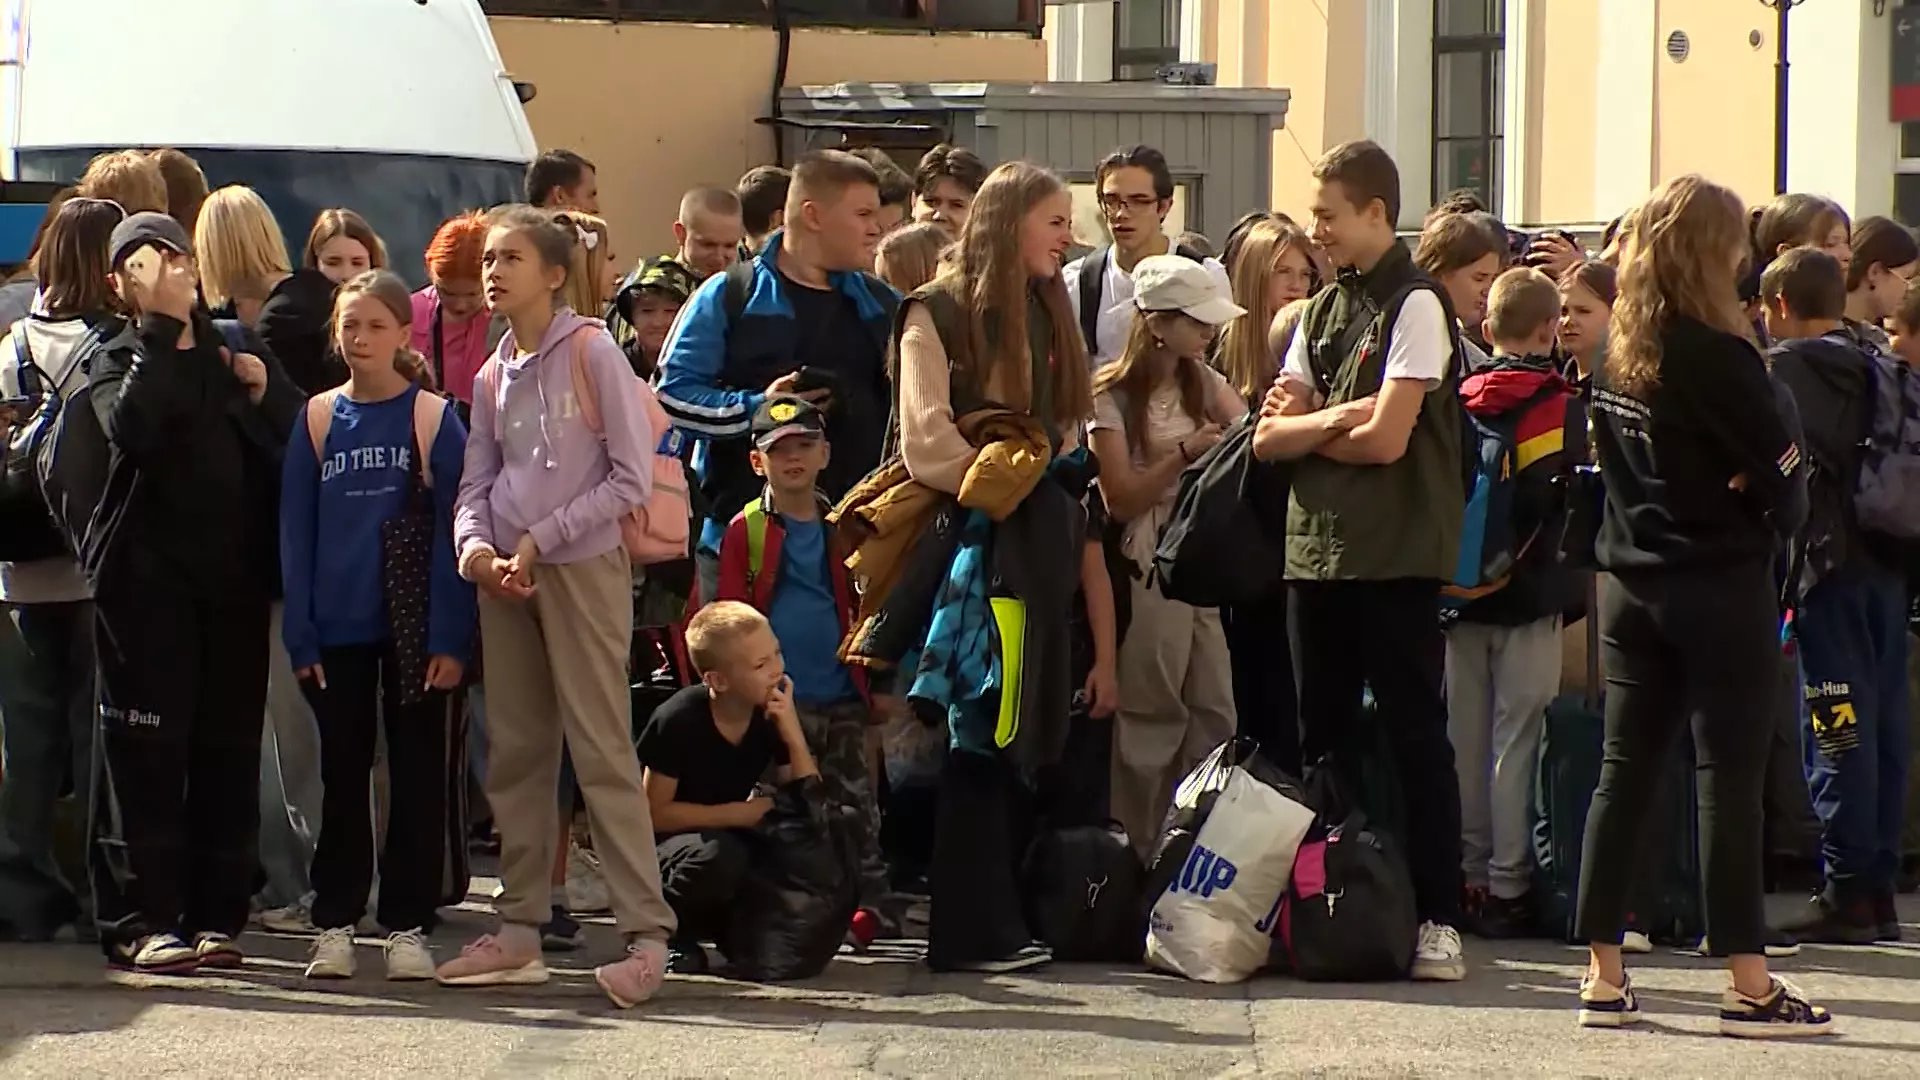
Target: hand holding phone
point(159, 282)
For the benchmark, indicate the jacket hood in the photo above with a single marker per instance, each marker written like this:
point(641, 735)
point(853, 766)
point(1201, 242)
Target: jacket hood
point(1837, 349)
point(565, 322)
point(1508, 385)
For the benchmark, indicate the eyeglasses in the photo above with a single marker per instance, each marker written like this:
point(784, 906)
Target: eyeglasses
point(1138, 204)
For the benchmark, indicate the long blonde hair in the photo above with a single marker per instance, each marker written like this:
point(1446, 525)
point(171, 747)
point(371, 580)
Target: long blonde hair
point(238, 245)
point(985, 273)
point(1132, 375)
point(588, 270)
point(1678, 260)
point(1243, 355)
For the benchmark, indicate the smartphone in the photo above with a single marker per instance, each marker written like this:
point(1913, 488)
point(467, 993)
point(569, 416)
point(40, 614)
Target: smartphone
point(816, 378)
point(144, 266)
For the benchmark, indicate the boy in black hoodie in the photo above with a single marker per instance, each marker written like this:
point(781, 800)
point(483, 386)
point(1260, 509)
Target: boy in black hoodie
point(1850, 623)
point(1503, 655)
point(182, 592)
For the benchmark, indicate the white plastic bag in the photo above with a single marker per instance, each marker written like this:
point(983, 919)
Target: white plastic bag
point(1213, 922)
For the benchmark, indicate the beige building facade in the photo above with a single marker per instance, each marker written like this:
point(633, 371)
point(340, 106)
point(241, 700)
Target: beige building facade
point(1562, 112)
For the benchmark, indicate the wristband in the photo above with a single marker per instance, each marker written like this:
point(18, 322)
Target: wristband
point(473, 555)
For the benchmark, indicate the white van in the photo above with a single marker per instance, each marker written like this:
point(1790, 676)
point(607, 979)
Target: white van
point(399, 109)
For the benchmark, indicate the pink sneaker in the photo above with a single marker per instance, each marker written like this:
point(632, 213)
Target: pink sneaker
point(487, 962)
point(633, 980)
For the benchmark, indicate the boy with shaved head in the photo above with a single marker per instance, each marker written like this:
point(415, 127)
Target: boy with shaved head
point(708, 231)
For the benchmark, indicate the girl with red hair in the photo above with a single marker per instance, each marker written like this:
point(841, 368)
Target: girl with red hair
point(452, 327)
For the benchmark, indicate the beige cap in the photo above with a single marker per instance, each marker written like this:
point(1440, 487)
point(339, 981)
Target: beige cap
point(1177, 283)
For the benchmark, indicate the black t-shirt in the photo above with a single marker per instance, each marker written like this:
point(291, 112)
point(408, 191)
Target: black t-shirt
point(681, 741)
point(829, 334)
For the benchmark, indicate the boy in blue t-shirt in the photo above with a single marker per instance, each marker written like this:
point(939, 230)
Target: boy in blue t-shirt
point(779, 555)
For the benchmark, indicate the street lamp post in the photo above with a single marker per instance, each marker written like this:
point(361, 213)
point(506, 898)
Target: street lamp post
point(1781, 9)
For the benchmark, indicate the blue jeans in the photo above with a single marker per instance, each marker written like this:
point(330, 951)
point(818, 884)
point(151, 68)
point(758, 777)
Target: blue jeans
point(47, 703)
point(1852, 630)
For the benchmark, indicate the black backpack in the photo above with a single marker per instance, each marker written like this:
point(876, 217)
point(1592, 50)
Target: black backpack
point(1348, 915)
point(1093, 281)
point(1082, 886)
point(87, 487)
point(27, 531)
point(1215, 550)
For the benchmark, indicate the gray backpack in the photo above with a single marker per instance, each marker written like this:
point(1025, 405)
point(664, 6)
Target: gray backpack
point(1887, 495)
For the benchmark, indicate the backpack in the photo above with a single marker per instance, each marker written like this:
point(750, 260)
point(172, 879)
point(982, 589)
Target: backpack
point(1093, 282)
point(1887, 493)
point(739, 288)
point(1214, 550)
point(27, 531)
point(86, 485)
point(1082, 893)
point(428, 412)
point(660, 529)
point(1490, 545)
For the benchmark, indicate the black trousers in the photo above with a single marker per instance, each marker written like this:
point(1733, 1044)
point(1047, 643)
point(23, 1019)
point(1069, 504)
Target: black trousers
point(1351, 635)
point(1699, 651)
point(183, 690)
point(1263, 689)
point(360, 690)
point(979, 836)
point(700, 874)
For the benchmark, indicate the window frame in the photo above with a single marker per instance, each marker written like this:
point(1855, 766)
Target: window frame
point(1490, 48)
point(1128, 60)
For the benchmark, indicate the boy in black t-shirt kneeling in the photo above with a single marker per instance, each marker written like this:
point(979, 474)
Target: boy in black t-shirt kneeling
point(705, 751)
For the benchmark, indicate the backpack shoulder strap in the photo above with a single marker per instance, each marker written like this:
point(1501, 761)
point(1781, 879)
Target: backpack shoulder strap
point(1188, 253)
point(429, 410)
point(1093, 281)
point(586, 393)
point(28, 379)
point(739, 287)
point(320, 420)
point(754, 515)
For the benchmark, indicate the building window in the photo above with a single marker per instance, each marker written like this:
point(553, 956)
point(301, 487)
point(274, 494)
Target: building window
point(1146, 37)
point(1469, 97)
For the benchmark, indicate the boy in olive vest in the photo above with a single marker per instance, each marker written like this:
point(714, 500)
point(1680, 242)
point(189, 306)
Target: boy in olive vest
point(1366, 408)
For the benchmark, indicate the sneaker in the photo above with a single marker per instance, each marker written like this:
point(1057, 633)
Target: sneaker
point(632, 980)
point(292, 919)
point(1603, 1005)
point(1633, 941)
point(1785, 1013)
point(1502, 919)
point(156, 954)
point(407, 957)
point(1024, 959)
point(1827, 921)
point(560, 933)
point(332, 954)
point(487, 963)
point(586, 889)
point(1777, 945)
point(1886, 919)
point(217, 951)
point(687, 958)
point(1437, 956)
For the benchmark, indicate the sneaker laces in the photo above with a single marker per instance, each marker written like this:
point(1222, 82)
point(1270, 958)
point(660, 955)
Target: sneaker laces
point(638, 952)
point(407, 937)
point(485, 943)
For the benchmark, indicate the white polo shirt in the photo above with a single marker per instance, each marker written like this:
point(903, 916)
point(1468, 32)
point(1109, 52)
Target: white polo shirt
point(1116, 308)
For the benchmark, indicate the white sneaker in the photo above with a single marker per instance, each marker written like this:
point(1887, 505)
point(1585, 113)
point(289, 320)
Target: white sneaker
point(586, 889)
point(332, 955)
point(1437, 956)
point(407, 957)
point(292, 919)
point(1633, 941)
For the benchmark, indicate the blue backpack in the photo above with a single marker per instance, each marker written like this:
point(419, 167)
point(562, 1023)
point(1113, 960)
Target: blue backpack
point(1490, 545)
point(1887, 493)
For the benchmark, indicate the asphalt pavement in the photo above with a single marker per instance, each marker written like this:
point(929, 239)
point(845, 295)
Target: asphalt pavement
point(885, 1014)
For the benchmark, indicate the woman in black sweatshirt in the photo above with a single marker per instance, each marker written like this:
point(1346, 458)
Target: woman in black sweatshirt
point(181, 610)
point(1704, 480)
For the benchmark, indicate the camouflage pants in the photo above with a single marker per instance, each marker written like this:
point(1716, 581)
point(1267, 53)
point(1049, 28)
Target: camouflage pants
point(837, 735)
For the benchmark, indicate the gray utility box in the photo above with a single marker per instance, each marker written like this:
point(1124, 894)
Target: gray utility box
point(1218, 140)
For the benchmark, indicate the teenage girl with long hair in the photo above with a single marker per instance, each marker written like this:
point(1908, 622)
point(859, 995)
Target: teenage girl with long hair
point(1587, 292)
point(1704, 481)
point(369, 454)
point(1797, 219)
point(1155, 411)
point(342, 246)
point(1885, 258)
point(994, 326)
point(1272, 267)
point(537, 528)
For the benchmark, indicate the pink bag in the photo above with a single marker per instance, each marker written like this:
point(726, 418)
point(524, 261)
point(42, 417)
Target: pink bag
point(659, 530)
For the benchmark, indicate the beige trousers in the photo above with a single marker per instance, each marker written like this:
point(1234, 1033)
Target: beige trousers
point(557, 666)
point(1176, 706)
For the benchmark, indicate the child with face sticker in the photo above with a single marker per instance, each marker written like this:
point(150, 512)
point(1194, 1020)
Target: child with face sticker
point(537, 529)
point(364, 458)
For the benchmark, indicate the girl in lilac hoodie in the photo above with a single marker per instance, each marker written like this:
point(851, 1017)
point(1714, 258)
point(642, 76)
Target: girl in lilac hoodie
point(537, 528)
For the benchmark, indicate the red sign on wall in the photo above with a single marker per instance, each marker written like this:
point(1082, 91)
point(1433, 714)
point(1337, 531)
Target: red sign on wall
point(1906, 65)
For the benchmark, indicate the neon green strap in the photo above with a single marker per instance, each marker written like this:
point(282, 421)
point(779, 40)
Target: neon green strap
point(756, 516)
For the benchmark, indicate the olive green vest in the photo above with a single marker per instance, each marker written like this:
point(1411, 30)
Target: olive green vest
point(1377, 522)
point(949, 321)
